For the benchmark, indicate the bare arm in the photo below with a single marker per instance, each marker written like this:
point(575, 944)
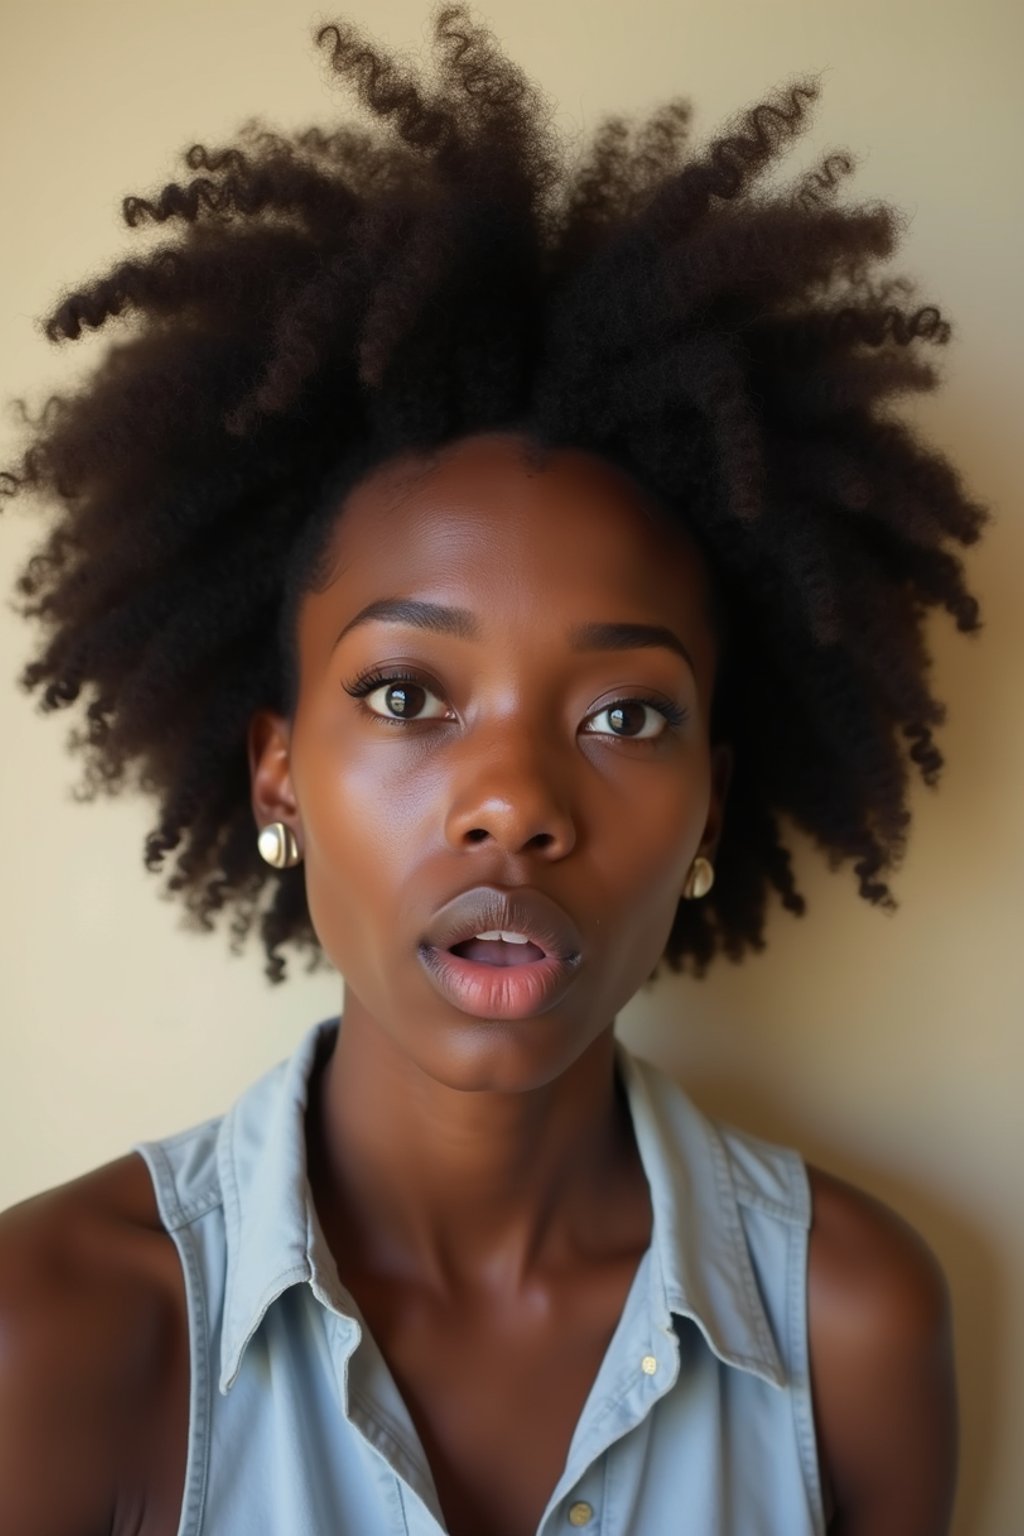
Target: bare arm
point(882, 1368)
point(75, 1347)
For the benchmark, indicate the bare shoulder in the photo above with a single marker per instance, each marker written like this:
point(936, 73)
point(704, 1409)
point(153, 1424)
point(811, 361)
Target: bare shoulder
point(872, 1274)
point(880, 1331)
point(87, 1308)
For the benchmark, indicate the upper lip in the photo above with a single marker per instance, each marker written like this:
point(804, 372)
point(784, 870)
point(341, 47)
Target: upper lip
point(486, 907)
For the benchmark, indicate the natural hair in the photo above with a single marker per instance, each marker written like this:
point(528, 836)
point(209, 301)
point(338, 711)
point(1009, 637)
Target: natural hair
point(328, 299)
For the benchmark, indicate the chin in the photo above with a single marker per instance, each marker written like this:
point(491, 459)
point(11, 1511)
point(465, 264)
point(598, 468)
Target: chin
point(473, 1055)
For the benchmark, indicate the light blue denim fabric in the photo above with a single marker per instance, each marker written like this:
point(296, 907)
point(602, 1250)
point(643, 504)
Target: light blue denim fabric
point(297, 1427)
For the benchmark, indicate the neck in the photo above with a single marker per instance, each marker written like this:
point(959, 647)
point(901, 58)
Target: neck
point(418, 1182)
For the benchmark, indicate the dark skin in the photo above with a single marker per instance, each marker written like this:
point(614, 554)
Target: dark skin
point(477, 1182)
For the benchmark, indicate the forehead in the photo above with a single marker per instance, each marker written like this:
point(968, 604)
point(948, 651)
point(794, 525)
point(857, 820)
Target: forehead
point(488, 524)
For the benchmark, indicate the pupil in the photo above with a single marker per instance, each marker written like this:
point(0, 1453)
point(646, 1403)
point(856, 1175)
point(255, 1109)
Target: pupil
point(618, 714)
point(397, 698)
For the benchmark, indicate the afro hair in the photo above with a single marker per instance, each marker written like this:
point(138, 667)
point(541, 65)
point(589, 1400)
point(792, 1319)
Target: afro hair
point(329, 298)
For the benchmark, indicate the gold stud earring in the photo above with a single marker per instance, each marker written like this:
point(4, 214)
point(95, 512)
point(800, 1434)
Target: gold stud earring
point(277, 844)
point(700, 879)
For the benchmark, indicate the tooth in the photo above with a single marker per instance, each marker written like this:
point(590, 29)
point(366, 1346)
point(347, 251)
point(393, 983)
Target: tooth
point(499, 933)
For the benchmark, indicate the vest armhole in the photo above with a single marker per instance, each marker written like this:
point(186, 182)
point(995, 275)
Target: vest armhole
point(179, 1226)
point(798, 1250)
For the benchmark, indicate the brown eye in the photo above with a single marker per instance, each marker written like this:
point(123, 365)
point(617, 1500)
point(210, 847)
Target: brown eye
point(404, 700)
point(401, 697)
point(626, 719)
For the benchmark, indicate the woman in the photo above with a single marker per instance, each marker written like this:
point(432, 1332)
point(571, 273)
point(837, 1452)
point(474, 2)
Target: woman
point(476, 555)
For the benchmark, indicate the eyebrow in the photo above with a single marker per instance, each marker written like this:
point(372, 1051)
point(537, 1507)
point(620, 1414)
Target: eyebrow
point(442, 620)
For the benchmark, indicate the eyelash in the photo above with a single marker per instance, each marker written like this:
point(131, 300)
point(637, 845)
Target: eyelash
point(369, 682)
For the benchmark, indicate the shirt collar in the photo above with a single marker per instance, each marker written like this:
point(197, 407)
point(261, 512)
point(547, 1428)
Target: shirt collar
point(701, 1262)
point(698, 1243)
point(272, 1233)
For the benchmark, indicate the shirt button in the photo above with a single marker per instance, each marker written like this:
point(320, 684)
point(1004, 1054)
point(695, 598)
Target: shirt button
point(648, 1365)
point(580, 1513)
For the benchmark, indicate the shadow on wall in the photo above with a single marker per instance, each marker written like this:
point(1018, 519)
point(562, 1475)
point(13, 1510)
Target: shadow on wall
point(979, 1287)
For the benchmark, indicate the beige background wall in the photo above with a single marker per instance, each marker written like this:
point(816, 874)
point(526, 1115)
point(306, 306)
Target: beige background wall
point(889, 1050)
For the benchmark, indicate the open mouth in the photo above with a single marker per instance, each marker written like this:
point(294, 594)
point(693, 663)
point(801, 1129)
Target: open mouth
point(501, 954)
point(494, 979)
point(498, 952)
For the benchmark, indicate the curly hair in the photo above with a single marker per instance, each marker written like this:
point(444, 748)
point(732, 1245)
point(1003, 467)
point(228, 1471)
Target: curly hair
point(330, 298)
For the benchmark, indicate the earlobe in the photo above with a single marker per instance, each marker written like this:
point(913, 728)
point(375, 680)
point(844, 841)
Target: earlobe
point(268, 743)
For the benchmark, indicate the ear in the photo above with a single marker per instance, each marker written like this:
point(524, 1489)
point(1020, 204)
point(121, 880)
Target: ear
point(273, 795)
point(722, 760)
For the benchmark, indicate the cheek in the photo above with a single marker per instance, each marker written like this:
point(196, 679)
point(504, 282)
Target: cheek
point(356, 842)
point(654, 827)
point(642, 855)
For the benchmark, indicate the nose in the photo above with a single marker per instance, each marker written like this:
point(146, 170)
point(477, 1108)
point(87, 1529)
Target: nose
point(506, 791)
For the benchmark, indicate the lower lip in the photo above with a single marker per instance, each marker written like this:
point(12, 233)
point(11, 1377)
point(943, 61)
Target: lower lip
point(498, 991)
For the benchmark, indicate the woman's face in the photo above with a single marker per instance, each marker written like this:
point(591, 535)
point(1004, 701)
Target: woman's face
point(500, 761)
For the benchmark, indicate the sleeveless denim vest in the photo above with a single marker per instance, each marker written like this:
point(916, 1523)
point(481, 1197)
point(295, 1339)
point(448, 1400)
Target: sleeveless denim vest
point(698, 1423)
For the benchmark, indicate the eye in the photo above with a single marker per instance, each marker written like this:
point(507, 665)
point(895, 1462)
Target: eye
point(624, 714)
point(402, 701)
point(401, 696)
